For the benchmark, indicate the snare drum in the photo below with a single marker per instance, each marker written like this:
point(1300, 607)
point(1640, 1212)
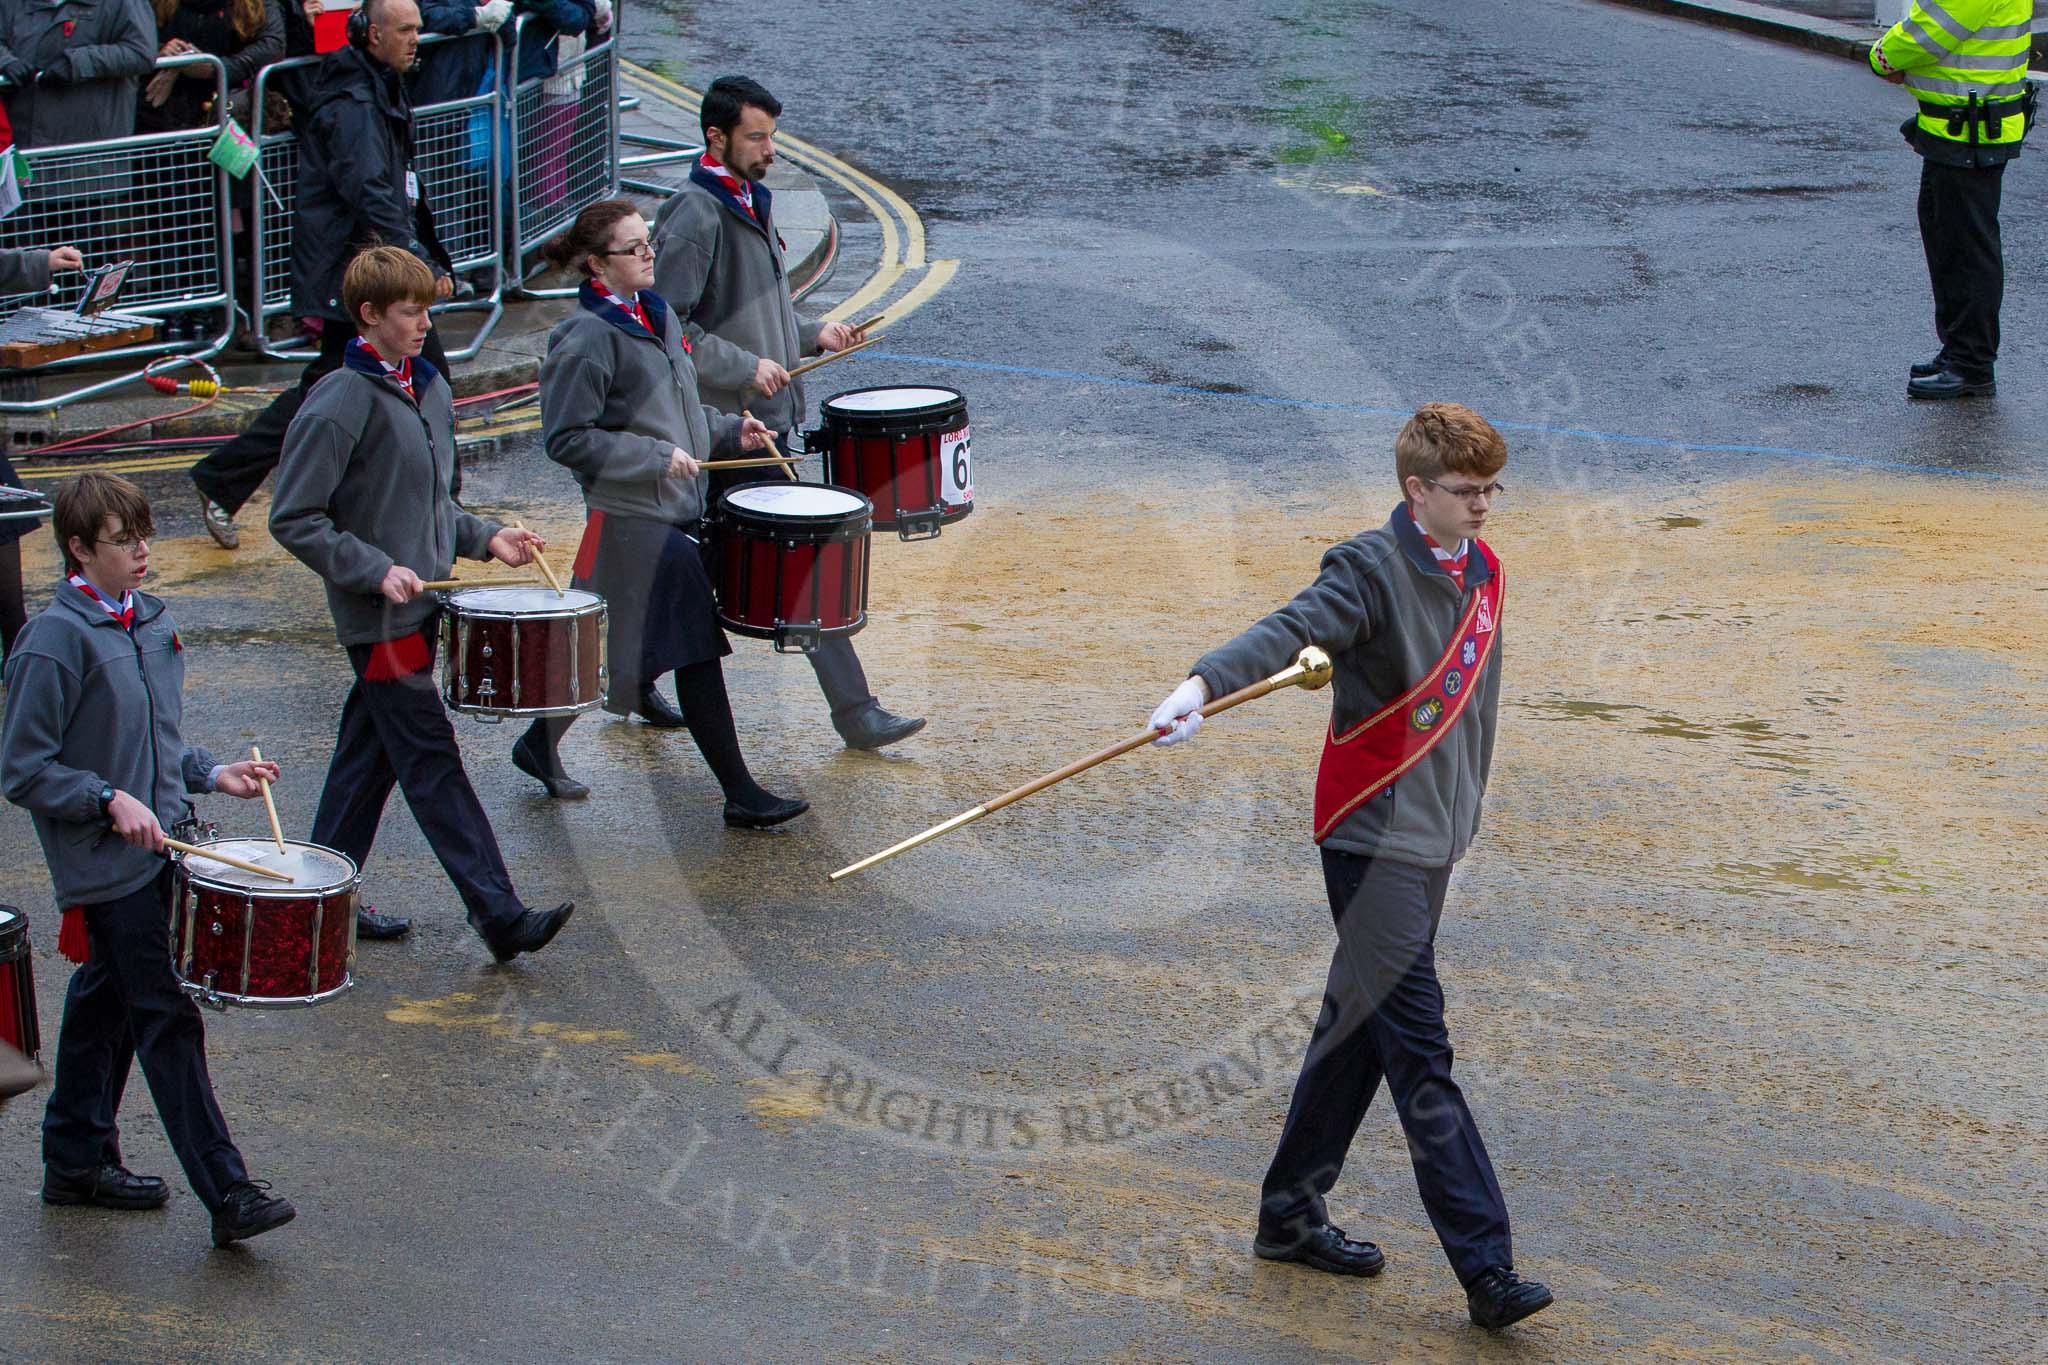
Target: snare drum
point(523, 652)
point(241, 939)
point(790, 562)
point(906, 449)
point(17, 986)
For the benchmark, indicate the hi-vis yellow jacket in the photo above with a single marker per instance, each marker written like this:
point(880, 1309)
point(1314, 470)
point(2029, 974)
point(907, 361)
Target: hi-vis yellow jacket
point(1966, 62)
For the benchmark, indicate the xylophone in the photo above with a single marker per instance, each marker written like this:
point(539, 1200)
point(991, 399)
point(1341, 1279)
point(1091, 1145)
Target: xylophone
point(37, 336)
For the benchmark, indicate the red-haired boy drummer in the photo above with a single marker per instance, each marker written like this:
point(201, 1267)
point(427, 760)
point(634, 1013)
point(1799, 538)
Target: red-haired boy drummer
point(92, 748)
point(362, 499)
point(1410, 614)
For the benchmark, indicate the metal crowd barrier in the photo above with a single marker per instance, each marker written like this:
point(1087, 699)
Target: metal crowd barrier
point(565, 144)
point(152, 198)
point(459, 152)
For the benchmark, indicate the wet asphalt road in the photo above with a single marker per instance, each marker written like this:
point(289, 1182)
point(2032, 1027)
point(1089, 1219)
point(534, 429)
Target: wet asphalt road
point(733, 1115)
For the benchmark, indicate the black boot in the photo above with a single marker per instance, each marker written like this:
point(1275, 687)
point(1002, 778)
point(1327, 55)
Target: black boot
point(1950, 384)
point(1498, 1297)
point(249, 1210)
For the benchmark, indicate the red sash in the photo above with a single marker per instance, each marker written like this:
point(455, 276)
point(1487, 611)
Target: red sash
point(1359, 763)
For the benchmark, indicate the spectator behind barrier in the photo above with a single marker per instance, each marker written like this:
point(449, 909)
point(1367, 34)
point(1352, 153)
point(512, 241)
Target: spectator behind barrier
point(456, 71)
point(245, 34)
point(357, 188)
point(357, 182)
point(72, 72)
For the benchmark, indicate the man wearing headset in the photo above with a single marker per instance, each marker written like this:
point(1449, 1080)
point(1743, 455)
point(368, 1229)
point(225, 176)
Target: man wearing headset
point(357, 187)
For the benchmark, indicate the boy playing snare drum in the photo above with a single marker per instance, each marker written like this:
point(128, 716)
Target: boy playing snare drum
point(92, 750)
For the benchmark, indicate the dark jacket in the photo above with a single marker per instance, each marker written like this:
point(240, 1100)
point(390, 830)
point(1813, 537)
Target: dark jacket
point(355, 152)
point(614, 402)
point(1385, 610)
point(455, 71)
point(724, 270)
point(82, 693)
point(111, 47)
point(209, 26)
point(363, 485)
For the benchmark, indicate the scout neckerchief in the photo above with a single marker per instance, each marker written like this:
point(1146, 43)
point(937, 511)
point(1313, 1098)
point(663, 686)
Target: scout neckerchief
point(1452, 564)
point(739, 189)
point(124, 613)
point(630, 307)
point(400, 374)
point(1358, 764)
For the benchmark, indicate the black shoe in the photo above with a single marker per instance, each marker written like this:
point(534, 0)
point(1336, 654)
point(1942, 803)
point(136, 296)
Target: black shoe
point(371, 925)
point(530, 933)
point(655, 710)
point(1949, 384)
point(1497, 1298)
point(871, 727)
point(777, 810)
point(1325, 1248)
point(1920, 369)
point(109, 1187)
point(249, 1210)
point(560, 785)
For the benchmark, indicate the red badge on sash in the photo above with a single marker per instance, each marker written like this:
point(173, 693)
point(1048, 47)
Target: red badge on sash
point(1358, 764)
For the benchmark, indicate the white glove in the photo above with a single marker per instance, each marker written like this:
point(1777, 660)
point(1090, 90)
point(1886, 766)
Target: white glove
point(493, 13)
point(1180, 715)
point(604, 16)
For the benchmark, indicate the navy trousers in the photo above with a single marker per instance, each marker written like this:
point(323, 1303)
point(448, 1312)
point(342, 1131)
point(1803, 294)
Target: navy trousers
point(1383, 1017)
point(124, 1004)
point(399, 733)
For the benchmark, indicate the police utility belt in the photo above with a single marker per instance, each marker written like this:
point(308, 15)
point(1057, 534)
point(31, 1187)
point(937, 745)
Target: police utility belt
point(1981, 116)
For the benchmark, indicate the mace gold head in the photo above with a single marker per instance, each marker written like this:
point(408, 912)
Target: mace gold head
point(1316, 668)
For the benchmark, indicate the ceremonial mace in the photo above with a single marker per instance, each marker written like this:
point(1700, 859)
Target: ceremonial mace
point(1310, 670)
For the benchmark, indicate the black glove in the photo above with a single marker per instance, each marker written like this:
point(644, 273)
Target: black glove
point(57, 72)
point(18, 73)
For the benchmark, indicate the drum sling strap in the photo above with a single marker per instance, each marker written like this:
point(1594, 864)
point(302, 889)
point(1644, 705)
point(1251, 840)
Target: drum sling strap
point(1358, 764)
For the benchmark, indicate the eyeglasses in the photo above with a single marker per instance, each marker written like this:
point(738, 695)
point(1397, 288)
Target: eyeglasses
point(133, 544)
point(644, 250)
point(1491, 492)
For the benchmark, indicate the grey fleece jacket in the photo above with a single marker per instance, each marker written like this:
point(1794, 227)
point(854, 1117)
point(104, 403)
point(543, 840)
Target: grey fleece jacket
point(614, 402)
point(82, 695)
point(724, 274)
point(1385, 611)
point(24, 270)
point(363, 485)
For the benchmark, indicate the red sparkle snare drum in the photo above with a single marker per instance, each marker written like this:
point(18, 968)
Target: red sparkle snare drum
point(790, 562)
point(523, 652)
point(17, 986)
point(241, 939)
point(906, 449)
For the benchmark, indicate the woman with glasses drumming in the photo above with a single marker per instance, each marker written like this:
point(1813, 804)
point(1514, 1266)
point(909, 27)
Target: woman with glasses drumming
point(619, 410)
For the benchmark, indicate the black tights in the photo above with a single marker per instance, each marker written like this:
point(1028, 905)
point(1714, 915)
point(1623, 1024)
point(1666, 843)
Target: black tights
point(13, 607)
point(700, 696)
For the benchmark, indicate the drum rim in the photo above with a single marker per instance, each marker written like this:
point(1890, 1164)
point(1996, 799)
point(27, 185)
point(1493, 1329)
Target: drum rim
point(204, 995)
point(268, 890)
point(888, 414)
point(13, 933)
point(729, 510)
point(559, 612)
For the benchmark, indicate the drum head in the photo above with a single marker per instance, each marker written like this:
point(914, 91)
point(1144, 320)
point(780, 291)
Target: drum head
point(892, 401)
point(810, 501)
point(521, 602)
point(14, 925)
point(311, 867)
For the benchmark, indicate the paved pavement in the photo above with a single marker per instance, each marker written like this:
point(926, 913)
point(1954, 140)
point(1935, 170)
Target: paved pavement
point(1743, 971)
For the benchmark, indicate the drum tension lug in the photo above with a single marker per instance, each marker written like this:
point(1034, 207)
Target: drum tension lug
point(920, 526)
point(797, 639)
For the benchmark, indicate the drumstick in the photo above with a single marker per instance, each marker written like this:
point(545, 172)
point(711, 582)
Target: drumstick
point(542, 560)
point(810, 365)
point(450, 584)
point(1311, 669)
point(269, 806)
point(194, 851)
point(875, 321)
point(757, 462)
